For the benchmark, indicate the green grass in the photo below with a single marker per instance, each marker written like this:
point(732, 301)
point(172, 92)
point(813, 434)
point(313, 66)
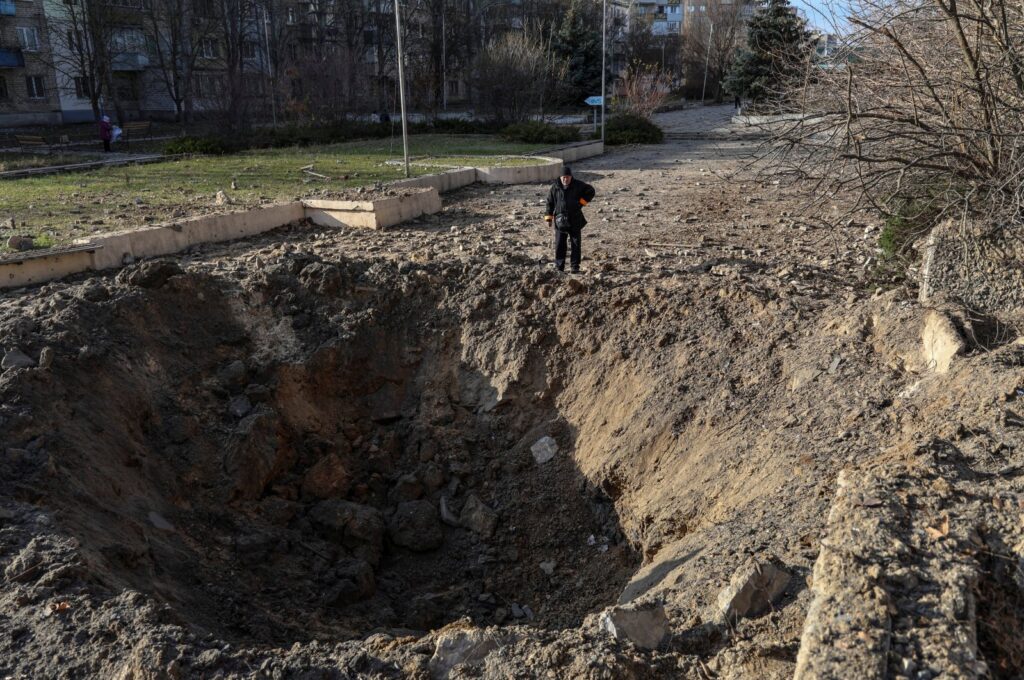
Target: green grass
point(64, 207)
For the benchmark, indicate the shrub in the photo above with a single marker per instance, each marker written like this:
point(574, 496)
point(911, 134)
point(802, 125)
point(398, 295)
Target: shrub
point(535, 132)
point(627, 128)
point(214, 146)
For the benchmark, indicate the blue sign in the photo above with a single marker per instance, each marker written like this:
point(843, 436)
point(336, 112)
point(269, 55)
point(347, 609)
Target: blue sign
point(594, 101)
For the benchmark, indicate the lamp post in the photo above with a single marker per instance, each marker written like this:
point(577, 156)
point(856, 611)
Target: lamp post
point(707, 61)
point(401, 85)
point(604, 44)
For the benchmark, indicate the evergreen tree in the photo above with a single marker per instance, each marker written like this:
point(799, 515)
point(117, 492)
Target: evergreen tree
point(578, 42)
point(777, 47)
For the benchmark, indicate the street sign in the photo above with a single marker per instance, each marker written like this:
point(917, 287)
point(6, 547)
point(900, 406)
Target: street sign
point(594, 101)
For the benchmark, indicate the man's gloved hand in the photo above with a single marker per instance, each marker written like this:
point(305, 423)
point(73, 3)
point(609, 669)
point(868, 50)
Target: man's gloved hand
point(548, 218)
point(583, 201)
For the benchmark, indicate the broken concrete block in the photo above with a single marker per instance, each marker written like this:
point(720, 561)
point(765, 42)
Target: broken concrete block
point(646, 626)
point(15, 358)
point(941, 342)
point(753, 589)
point(478, 517)
point(457, 647)
point(544, 449)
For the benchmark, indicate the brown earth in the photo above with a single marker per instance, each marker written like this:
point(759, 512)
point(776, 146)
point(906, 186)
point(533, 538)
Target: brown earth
point(309, 454)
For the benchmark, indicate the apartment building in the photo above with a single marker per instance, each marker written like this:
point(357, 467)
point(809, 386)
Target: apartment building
point(28, 89)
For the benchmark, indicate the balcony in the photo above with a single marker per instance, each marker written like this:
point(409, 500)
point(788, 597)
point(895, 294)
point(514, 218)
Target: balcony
point(11, 58)
point(130, 61)
point(7, 8)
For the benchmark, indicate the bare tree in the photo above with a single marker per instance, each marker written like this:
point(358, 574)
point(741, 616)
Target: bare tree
point(711, 40)
point(514, 74)
point(918, 115)
point(644, 89)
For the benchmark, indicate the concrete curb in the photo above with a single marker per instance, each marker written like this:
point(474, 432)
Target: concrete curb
point(113, 250)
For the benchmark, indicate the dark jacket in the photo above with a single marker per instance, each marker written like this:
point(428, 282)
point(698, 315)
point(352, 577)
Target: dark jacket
point(106, 131)
point(570, 201)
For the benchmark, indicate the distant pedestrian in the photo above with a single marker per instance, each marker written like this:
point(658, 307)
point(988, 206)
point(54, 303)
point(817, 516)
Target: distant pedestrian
point(106, 132)
point(385, 117)
point(566, 201)
point(738, 104)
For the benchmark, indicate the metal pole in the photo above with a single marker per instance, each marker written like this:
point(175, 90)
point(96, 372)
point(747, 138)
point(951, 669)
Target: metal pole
point(707, 61)
point(604, 45)
point(444, 63)
point(270, 65)
point(401, 86)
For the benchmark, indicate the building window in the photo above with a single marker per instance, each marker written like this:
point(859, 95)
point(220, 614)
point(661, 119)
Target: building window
point(83, 87)
point(3, 88)
point(128, 41)
point(291, 16)
point(36, 87)
point(208, 48)
point(28, 36)
point(208, 86)
point(250, 50)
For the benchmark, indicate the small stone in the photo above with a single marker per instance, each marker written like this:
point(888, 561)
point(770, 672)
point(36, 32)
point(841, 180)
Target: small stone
point(646, 626)
point(222, 198)
point(544, 449)
point(517, 611)
point(548, 567)
point(478, 517)
point(407, 488)
point(328, 478)
point(46, 357)
point(21, 243)
point(16, 359)
point(446, 515)
point(157, 520)
point(240, 406)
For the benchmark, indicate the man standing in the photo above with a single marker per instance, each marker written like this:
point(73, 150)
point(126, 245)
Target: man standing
point(565, 211)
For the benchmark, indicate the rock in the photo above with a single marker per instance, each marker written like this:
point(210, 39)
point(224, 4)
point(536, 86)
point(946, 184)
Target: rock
point(646, 626)
point(328, 478)
point(222, 198)
point(753, 588)
point(478, 517)
point(355, 582)
point(240, 406)
point(446, 515)
point(8, 223)
point(357, 527)
point(150, 274)
point(517, 611)
point(21, 243)
point(15, 358)
point(233, 375)
point(256, 454)
point(548, 567)
point(46, 357)
point(158, 521)
point(941, 342)
point(544, 449)
point(407, 488)
point(465, 646)
point(416, 526)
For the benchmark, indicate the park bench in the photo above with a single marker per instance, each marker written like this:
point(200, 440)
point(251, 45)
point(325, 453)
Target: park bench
point(31, 142)
point(136, 130)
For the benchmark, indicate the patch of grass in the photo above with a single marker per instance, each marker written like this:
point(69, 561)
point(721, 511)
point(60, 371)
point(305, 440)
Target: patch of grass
point(78, 205)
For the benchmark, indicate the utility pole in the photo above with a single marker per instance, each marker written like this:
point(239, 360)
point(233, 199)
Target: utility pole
point(270, 65)
point(707, 61)
point(444, 62)
point(604, 49)
point(401, 85)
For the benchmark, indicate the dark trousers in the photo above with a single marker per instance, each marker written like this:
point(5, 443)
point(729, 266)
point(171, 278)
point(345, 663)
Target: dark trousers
point(106, 145)
point(573, 236)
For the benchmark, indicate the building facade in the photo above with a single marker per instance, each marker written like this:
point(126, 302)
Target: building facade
point(28, 89)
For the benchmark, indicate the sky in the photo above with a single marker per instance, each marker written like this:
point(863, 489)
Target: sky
point(822, 14)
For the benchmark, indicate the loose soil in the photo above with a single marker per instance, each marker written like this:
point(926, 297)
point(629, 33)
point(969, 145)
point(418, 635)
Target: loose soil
point(308, 454)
